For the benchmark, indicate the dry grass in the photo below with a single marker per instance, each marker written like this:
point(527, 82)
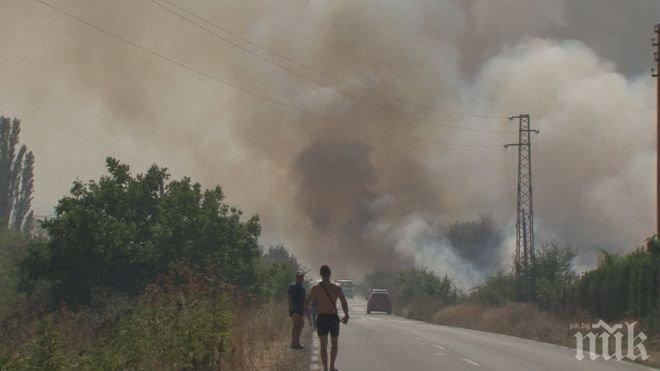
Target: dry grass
point(261, 339)
point(517, 319)
point(525, 320)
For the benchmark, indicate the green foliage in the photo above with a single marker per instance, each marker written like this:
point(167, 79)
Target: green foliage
point(419, 293)
point(13, 247)
point(553, 284)
point(497, 290)
point(183, 322)
point(554, 274)
point(45, 351)
point(281, 267)
point(16, 178)
point(420, 283)
point(123, 231)
point(174, 326)
point(23, 217)
point(148, 274)
point(631, 279)
point(279, 254)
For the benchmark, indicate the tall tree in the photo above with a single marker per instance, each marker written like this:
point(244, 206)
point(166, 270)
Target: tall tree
point(16, 178)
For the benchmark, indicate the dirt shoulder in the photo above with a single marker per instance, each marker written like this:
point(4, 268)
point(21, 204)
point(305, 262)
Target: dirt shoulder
point(262, 341)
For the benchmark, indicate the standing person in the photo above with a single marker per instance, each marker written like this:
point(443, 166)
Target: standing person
point(325, 294)
point(296, 300)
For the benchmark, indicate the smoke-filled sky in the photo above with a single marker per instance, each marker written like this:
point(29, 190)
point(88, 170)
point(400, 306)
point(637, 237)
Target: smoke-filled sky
point(365, 181)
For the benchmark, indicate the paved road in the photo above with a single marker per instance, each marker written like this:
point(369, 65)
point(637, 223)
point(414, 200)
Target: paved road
point(384, 343)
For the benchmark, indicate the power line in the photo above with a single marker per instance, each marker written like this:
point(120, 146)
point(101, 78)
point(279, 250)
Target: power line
point(237, 87)
point(307, 78)
point(328, 75)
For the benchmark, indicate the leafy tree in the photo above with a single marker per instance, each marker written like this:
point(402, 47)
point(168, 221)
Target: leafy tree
point(418, 293)
point(632, 279)
point(123, 231)
point(16, 178)
point(281, 267)
point(554, 274)
point(279, 254)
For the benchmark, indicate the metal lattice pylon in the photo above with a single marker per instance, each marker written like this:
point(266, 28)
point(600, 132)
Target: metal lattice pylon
point(524, 257)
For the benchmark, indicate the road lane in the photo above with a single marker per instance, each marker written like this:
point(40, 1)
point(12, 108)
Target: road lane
point(384, 342)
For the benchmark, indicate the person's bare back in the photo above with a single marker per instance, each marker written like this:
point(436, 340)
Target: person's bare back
point(327, 303)
point(325, 295)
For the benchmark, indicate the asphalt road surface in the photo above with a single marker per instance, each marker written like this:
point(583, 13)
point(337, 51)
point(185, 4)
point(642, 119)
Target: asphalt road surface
point(387, 342)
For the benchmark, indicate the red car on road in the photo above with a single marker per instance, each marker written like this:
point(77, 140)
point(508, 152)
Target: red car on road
point(379, 301)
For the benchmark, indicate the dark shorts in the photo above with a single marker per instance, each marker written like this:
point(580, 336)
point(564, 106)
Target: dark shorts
point(327, 323)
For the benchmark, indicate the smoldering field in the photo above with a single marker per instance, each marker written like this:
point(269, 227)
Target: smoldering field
point(373, 188)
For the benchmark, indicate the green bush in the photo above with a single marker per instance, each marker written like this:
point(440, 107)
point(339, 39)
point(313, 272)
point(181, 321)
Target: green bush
point(553, 283)
point(632, 279)
point(173, 326)
point(123, 231)
point(280, 268)
point(183, 322)
point(138, 272)
point(418, 293)
point(554, 275)
point(45, 351)
point(496, 290)
point(13, 247)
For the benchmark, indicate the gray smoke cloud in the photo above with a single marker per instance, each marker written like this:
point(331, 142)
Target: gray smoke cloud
point(363, 196)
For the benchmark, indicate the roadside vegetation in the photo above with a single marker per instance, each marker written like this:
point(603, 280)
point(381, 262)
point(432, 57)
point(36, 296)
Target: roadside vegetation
point(416, 293)
point(622, 288)
point(143, 272)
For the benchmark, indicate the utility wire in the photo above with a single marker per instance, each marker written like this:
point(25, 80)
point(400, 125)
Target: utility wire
point(237, 87)
point(328, 75)
point(304, 77)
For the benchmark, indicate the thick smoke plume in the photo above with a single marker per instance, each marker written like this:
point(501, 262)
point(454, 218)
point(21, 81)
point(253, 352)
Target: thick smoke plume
point(369, 194)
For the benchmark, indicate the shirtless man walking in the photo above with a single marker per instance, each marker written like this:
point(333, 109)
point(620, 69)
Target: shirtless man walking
point(325, 294)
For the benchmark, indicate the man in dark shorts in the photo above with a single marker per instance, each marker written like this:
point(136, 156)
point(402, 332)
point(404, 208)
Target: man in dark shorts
point(325, 294)
point(296, 300)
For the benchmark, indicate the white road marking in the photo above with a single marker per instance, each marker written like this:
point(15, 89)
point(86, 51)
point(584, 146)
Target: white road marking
point(315, 354)
point(473, 363)
point(439, 346)
point(439, 354)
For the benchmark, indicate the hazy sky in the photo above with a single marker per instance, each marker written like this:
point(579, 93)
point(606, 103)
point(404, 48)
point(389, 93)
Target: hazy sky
point(362, 181)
